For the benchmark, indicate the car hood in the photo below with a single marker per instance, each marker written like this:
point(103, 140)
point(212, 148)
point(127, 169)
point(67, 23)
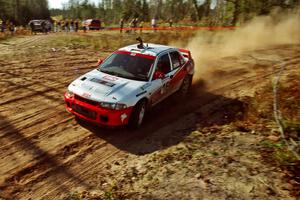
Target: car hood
point(99, 86)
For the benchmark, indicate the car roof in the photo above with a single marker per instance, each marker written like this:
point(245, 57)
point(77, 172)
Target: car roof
point(89, 20)
point(38, 20)
point(149, 49)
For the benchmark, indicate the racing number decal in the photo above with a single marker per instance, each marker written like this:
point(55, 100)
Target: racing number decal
point(111, 78)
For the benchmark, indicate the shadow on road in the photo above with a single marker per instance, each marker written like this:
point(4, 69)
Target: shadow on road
point(171, 121)
point(43, 158)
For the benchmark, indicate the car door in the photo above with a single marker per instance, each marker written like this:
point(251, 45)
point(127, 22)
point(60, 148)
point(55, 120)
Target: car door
point(178, 71)
point(161, 84)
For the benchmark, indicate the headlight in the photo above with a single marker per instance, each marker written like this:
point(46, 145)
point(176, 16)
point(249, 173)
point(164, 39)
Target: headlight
point(69, 94)
point(113, 106)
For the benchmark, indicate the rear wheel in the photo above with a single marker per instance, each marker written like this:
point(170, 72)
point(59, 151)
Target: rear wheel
point(185, 86)
point(138, 114)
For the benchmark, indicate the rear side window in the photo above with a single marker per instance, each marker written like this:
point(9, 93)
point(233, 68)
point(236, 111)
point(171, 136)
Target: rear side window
point(177, 59)
point(163, 64)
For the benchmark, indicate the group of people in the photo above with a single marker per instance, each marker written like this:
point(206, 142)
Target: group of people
point(66, 25)
point(135, 24)
point(7, 26)
point(43, 26)
point(46, 26)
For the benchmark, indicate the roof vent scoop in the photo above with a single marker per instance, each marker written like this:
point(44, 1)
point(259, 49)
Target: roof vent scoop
point(141, 45)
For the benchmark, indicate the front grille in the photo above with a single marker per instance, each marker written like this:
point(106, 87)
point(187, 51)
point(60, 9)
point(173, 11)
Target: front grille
point(84, 111)
point(91, 102)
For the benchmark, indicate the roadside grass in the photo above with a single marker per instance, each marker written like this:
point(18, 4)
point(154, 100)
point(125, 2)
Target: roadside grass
point(110, 41)
point(96, 42)
point(90, 43)
point(274, 150)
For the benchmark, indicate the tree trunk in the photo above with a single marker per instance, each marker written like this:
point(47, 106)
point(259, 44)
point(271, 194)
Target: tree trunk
point(237, 12)
point(202, 10)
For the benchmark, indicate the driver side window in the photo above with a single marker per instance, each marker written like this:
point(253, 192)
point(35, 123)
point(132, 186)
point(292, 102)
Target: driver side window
point(163, 64)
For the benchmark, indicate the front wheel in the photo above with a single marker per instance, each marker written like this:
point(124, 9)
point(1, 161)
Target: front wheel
point(138, 114)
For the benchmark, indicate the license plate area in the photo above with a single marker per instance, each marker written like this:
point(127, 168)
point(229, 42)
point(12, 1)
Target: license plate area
point(84, 111)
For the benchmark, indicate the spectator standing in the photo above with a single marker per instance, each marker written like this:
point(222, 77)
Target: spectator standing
point(170, 22)
point(58, 26)
point(2, 26)
point(63, 27)
point(72, 26)
point(31, 24)
point(121, 24)
point(84, 26)
point(67, 25)
point(55, 26)
point(11, 28)
point(141, 26)
point(76, 26)
point(135, 23)
point(153, 24)
point(132, 24)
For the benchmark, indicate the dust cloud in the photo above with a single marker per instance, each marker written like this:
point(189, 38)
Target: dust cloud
point(261, 32)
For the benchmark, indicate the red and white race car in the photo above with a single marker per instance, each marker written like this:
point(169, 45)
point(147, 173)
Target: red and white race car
point(128, 82)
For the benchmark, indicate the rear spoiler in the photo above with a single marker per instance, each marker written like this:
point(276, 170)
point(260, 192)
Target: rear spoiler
point(186, 53)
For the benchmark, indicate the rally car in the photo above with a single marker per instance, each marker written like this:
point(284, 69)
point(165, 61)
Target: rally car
point(92, 24)
point(40, 25)
point(129, 82)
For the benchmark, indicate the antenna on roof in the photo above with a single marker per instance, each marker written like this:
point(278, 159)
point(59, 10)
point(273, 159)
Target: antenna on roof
point(141, 45)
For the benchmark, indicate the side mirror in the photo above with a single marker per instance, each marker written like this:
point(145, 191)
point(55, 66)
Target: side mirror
point(100, 61)
point(158, 75)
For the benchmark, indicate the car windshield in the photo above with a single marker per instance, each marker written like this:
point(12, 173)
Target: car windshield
point(127, 65)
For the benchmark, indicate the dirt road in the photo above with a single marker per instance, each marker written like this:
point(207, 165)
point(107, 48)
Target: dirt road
point(45, 153)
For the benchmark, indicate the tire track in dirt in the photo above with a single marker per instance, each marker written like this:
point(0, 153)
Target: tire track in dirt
point(33, 133)
point(23, 105)
point(30, 120)
point(251, 79)
point(12, 184)
point(32, 92)
point(61, 153)
point(37, 155)
point(34, 121)
point(19, 43)
point(75, 65)
point(29, 40)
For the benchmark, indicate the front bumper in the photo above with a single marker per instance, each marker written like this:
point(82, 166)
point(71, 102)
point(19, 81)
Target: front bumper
point(95, 114)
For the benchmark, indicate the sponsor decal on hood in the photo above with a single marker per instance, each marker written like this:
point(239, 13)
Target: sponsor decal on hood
point(99, 86)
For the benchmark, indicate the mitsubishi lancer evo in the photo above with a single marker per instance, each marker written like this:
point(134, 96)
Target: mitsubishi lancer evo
point(128, 82)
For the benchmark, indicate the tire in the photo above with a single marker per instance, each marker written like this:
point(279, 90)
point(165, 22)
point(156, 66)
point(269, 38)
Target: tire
point(138, 114)
point(185, 86)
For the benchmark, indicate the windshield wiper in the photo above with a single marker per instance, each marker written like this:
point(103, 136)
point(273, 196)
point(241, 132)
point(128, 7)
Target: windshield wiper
point(109, 72)
point(138, 78)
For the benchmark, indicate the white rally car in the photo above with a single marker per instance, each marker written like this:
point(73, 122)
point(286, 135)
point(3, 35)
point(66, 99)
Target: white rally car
point(129, 82)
